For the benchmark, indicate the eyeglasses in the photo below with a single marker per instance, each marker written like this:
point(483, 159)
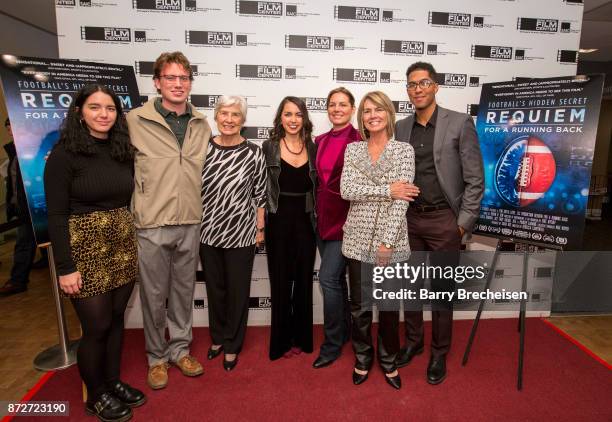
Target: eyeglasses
point(423, 84)
point(172, 78)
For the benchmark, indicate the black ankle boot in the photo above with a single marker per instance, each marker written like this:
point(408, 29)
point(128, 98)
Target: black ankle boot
point(128, 394)
point(109, 409)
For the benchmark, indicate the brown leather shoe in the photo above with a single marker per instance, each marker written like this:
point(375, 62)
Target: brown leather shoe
point(158, 376)
point(190, 366)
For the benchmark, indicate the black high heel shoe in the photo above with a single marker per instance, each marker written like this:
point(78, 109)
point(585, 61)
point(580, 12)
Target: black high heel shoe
point(213, 353)
point(359, 378)
point(395, 382)
point(228, 365)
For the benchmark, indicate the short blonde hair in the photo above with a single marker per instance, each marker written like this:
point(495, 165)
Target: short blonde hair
point(381, 100)
point(231, 100)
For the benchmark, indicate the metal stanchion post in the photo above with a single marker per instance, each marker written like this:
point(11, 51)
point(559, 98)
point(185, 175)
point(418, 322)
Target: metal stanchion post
point(61, 355)
point(523, 310)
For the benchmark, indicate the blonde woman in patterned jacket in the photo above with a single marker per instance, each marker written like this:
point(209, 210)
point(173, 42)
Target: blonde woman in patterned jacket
point(375, 233)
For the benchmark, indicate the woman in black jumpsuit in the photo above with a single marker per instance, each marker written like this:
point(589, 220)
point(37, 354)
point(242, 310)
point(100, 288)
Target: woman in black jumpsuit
point(290, 238)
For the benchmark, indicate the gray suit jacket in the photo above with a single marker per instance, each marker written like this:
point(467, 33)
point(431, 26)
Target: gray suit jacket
point(458, 162)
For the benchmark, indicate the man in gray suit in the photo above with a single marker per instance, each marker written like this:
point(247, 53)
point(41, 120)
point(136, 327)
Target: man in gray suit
point(449, 184)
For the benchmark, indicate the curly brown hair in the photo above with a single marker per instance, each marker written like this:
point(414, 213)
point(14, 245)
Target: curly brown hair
point(75, 137)
point(171, 57)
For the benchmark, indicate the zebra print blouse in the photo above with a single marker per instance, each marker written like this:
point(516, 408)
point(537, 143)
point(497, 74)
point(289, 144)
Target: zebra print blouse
point(233, 186)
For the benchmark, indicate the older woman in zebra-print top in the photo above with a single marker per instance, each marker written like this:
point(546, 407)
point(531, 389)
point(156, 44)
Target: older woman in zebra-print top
point(233, 201)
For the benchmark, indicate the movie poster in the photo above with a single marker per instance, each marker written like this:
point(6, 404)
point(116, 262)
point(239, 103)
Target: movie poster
point(38, 93)
point(537, 139)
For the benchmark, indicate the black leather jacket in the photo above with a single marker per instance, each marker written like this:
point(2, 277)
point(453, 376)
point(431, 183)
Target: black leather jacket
point(271, 151)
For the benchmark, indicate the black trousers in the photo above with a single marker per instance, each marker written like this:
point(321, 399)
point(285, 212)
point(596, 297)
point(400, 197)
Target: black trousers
point(361, 332)
point(227, 273)
point(433, 236)
point(23, 256)
point(290, 249)
point(99, 353)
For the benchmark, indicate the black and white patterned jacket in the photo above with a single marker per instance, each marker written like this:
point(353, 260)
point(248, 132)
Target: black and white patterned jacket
point(374, 218)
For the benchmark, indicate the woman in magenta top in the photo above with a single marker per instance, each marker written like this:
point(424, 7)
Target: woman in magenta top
point(331, 212)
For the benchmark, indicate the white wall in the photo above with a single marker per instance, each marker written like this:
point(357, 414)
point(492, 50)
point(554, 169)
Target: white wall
point(224, 38)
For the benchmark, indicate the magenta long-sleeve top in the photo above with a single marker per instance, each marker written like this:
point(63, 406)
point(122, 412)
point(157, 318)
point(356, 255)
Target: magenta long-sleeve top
point(330, 207)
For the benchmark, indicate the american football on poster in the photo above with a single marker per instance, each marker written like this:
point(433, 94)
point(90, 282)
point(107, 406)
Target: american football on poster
point(537, 139)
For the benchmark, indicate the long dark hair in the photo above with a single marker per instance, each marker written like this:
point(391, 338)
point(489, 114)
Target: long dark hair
point(278, 131)
point(74, 134)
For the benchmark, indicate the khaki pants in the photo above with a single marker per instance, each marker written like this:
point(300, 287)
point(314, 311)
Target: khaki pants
point(168, 261)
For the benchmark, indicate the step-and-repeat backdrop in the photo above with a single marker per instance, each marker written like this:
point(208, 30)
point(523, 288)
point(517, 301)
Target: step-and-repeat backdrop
point(265, 50)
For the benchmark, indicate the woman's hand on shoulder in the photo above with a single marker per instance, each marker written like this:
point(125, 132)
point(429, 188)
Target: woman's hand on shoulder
point(71, 283)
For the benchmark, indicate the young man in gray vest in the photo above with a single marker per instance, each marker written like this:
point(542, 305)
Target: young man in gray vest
point(450, 181)
point(171, 139)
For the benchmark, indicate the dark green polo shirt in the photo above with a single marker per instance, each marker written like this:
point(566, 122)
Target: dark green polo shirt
point(178, 124)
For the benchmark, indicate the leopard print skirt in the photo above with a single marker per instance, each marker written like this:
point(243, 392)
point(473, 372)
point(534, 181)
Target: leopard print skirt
point(103, 246)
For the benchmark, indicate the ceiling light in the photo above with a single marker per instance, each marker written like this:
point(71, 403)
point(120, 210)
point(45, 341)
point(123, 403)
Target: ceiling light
point(587, 50)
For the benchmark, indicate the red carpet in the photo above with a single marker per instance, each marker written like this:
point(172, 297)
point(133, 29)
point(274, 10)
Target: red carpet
point(561, 383)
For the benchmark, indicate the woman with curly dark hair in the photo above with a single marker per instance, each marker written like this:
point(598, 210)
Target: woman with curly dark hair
point(290, 237)
point(89, 184)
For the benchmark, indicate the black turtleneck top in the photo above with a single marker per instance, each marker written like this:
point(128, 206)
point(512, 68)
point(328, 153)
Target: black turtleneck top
point(82, 183)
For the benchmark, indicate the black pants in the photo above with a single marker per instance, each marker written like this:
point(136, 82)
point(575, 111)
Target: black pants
point(290, 249)
point(361, 311)
point(23, 257)
point(99, 354)
point(227, 273)
point(434, 237)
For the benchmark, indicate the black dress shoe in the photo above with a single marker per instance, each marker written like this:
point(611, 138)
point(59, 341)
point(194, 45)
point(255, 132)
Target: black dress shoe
point(406, 354)
point(128, 394)
point(322, 362)
point(359, 378)
point(436, 371)
point(213, 353)
point(228, 365)
point(12, 288)
point(108, 408)
point(395, 382)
